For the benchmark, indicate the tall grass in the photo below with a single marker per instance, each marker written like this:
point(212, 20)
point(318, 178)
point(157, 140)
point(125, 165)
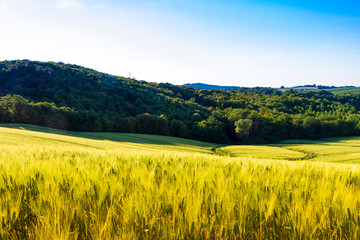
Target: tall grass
point(63, 193)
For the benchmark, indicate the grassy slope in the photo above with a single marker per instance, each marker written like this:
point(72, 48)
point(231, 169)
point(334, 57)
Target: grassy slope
point(35, 135)
point(344, 150)
point(60, 185)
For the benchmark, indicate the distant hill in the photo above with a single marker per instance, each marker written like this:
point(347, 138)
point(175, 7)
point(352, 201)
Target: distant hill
point(336, 90)
point(71, 97)
point(211, 87)
point(345, 90)
point(203, 86)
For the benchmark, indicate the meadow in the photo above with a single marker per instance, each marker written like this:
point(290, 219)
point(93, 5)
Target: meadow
point(66, 185)
point(342, 91)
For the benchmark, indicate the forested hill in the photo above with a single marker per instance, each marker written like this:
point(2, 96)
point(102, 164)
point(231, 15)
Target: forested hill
point(75, 98)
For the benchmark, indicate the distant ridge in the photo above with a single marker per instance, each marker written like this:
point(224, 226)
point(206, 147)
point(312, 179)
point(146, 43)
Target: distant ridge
point(211, 87)
point(303, 88)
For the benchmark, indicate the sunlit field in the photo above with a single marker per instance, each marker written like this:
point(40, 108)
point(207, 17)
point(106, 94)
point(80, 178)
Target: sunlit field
point(64, 185)
point(341, 150)
point(261, 152)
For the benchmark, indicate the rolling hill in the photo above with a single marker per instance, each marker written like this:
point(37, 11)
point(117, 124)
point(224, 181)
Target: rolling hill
point(342, 150)
point(71, 97)
point(34, 135)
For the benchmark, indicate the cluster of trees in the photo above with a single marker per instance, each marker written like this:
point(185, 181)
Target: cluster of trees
point(74, 98)
point(17, 109)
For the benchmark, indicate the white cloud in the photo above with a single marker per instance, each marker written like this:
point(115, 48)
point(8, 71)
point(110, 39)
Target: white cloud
point(70, 4)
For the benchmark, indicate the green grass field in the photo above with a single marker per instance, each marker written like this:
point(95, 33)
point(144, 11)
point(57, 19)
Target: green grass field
point(66, 185)
point(341, 91)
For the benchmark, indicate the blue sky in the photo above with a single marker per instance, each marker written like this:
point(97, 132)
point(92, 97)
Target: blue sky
point(242, 43)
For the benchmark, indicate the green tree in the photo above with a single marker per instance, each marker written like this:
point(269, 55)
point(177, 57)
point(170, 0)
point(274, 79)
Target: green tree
point(243, 127)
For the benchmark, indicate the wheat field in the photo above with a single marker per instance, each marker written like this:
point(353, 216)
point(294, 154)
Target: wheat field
point(61, 185)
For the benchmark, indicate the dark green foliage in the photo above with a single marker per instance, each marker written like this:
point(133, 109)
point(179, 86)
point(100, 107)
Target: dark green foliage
point(74, 98)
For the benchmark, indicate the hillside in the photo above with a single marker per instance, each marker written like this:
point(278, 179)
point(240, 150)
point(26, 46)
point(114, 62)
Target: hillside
point(75, 98)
